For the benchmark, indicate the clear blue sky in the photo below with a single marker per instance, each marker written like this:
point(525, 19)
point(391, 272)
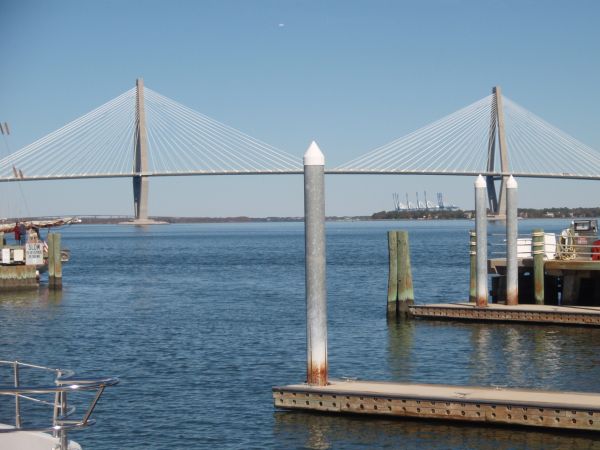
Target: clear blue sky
point(351, 74)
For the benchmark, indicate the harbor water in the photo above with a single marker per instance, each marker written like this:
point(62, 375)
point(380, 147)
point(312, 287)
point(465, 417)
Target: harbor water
point(199, 321)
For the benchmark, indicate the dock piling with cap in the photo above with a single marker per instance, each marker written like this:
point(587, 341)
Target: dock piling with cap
point(481, 239)
point(316, 289)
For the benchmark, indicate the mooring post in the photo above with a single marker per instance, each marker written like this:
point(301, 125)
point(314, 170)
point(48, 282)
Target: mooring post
point(393, 275)
point(316, 292)
point(481, 231)
point(512, 231)
point(473, 266)
point(50, 259)
point(406, 296)
point(54, 261)
point(57, 262)
point(537, 244)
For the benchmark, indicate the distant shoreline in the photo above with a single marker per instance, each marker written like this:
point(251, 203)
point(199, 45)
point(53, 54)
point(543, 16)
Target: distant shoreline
point(525, 213)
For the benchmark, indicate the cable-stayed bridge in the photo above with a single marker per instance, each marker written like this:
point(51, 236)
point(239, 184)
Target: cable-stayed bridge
point(142, 134)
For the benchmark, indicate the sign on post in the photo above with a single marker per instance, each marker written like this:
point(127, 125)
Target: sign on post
point(34, 254)
point(6, 256)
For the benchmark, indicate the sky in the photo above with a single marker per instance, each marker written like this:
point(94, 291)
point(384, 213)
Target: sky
point(352, 75)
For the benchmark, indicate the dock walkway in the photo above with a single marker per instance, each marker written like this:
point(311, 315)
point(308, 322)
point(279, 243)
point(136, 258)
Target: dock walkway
point(570, 315)
point(565, 410)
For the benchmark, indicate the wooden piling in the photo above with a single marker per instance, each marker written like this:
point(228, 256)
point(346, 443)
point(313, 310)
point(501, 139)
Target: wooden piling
point(50, 243)
point(473, 262)
point(537, 243)
point(54, 261)
point(406, 296)
point(393, 274)
point(2, 238)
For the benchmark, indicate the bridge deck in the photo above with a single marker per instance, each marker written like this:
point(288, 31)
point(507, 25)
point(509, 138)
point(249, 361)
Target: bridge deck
point(568, 410)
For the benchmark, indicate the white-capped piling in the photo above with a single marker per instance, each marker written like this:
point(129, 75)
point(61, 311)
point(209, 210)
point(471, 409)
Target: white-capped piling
point(512, 263)
point(481, 231)
point(316, 291)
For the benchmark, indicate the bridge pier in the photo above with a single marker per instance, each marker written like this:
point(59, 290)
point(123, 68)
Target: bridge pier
point(497, 204)
point(140, 161)
point(140, 198)
point(140, 182)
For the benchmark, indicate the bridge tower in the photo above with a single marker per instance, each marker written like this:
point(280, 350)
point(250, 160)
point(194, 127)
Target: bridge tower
point(140, 159)
point(497, 204)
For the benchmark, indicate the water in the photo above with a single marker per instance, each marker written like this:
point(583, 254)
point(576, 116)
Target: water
point(200, 321)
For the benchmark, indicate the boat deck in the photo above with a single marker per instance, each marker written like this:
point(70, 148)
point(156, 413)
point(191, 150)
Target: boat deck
point(499, 405)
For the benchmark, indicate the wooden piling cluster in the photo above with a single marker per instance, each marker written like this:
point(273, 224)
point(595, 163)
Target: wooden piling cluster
point(54, 261)
point(400, 286)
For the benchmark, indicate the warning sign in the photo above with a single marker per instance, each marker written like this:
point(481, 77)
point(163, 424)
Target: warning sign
point(34, 254)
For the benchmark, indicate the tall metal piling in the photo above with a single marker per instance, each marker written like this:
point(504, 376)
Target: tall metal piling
point(537, 244)
point(406, 296)
point(392, 300)
point(54, 261)
point(473, 266)
point(316, 292)
point(512, 231)
point(481, 231)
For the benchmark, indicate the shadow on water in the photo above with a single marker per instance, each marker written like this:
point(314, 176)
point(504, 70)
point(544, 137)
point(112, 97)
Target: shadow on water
point(319, 431)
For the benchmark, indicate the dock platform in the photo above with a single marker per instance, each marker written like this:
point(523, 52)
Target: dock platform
point(493, 405)
point(545, 314)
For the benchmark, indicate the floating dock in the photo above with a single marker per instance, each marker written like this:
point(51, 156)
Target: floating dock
point(494, 405)
point(545, 314)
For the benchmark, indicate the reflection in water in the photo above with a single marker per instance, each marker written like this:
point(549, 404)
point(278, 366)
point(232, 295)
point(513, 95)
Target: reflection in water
point(400, 348)
point(483, 356)
point(513, 353)
point(486, 354)
point(320, 431)
point(40, 297)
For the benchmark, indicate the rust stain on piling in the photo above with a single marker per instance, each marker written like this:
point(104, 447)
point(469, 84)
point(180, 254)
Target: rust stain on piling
point(317, 374)
point(512, 297)
point(482, 301)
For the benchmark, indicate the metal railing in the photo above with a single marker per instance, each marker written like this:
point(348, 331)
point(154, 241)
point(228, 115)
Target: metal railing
point(562, 246)
point(64, 382)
